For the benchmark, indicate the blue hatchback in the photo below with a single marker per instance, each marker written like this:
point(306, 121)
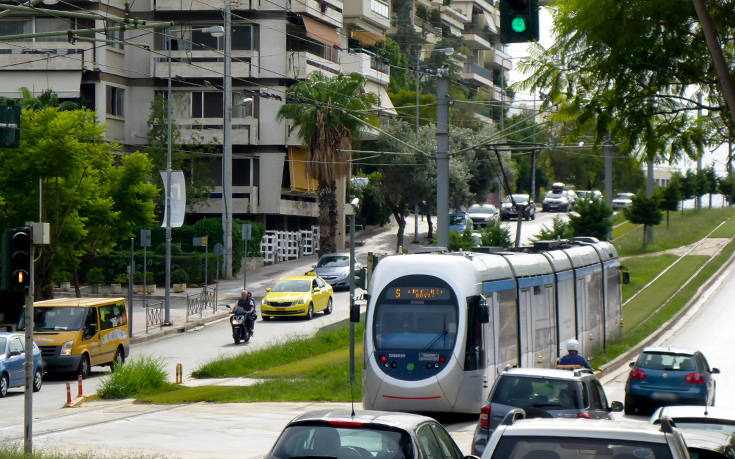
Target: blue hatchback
point(669, 376)
point(459, 221)
point(12, 363)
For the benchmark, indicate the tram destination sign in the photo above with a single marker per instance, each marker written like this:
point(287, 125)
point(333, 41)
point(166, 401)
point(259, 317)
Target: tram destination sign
point(418, 293)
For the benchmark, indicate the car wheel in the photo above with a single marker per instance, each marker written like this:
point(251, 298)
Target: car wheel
point(118, 360)
point(329, 307)
point(265, 318)
point(84, 367)
point(310, 312)
point(3, 386)
point(629, 407)
point(37, 380)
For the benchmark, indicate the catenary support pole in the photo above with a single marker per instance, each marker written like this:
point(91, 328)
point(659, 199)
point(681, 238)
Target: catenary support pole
point(608, 176)
point(28, 396)
point(442, 159)
point(227, 137)
point(167, 275)
point(352, 296)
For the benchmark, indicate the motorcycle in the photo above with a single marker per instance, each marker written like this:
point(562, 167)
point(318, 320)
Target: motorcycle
point(240, 329)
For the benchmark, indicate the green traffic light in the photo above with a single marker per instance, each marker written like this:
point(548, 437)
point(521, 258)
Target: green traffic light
point(518, 24)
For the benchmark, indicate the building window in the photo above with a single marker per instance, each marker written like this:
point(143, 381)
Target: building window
point(117, 35)
point(191, 37)
point(242, 37)
point(243, 104)
point(207, 104)
point(36, 25)
point(115, 101)
point(380, 8)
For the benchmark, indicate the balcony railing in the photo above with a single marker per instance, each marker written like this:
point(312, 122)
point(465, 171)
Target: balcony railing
point(470, 67)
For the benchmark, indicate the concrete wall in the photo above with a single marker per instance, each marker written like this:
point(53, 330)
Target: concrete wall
point(271, 175)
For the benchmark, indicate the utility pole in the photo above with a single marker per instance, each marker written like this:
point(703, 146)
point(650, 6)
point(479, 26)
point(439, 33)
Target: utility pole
point(698, 204)
point(608, 176)
point(533, 154)
point(167, 277)
point(442, 159)
point(227, 144)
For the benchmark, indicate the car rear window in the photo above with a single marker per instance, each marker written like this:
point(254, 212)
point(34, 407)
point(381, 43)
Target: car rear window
point(528, 392)
point(726, 427)
point(521, 447)
point(667, 361)
point(324, 440)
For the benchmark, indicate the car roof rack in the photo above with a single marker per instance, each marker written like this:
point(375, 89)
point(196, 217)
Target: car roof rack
point(667, 425)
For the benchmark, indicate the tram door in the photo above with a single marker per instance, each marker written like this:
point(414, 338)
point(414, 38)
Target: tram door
point(544, 321)
point(525, 301)
point(583, 306)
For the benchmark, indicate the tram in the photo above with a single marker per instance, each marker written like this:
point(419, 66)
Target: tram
point(441, 327)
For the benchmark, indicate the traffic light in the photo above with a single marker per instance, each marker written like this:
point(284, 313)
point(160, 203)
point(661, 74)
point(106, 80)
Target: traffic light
point(518, 21)
point(361, 278)
point(16, 258)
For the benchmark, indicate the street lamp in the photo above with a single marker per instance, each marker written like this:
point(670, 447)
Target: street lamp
point(215, 31)
point(351, 210)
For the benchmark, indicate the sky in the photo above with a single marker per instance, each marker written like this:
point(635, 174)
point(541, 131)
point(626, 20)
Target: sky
point(518, 51)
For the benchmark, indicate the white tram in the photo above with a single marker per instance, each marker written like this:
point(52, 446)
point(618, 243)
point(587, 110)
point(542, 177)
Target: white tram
point(440, 327)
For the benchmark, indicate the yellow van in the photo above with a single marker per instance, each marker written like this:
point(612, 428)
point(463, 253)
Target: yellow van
point(75, 334)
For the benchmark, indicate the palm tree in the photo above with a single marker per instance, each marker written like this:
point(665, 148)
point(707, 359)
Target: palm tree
point(328, 113)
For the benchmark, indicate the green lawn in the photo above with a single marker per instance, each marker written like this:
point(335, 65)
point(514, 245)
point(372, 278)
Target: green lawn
point(683, 230)
point(623, 228)
point(643, 270)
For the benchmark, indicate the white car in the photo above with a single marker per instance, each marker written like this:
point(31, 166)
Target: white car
point(557, 438)
point(483, 214)
point(622, 200)
point(555, 202)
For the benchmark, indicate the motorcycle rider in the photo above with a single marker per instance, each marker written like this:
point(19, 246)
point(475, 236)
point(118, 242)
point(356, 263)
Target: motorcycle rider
point(247, 305)
point(573, 357)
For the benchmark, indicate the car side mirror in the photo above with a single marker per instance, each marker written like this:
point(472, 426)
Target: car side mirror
point(268, 289)
point(631, 364)
point(317, 290)
point(626, 277)
point(715, 370)
point(484, 314)
point(616, 406)
point(91, 330)
point(313, 266)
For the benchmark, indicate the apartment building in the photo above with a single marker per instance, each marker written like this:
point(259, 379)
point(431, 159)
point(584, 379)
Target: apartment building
point(274, 44)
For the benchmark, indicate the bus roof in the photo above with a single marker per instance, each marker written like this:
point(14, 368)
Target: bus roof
point(77, 302)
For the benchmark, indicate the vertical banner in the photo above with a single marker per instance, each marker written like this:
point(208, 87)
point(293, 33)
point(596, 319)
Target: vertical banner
point(178, 198)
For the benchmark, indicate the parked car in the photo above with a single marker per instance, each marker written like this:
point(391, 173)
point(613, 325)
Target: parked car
point(335, 269)
point(459, 221)
point(542, 392)
point(12, 363)
point(297, 296)
point(589, 194)
point(578, 438)
point(622, 200)
point(483, 214)
point(555, 202)
point(364, 435)
point(509, 207)
point(698, 417)
point(669, 376)
point(572, 197)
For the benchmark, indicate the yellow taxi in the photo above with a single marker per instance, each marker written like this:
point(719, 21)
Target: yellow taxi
point(297, 296)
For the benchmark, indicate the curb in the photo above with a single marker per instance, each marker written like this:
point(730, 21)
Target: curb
point(620, 360)
point(79, 400)
point(175, 330)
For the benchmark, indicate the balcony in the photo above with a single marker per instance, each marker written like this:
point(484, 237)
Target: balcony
point(313, 8)
point(455, 19)
point(372, 67)
point(206, 64)
point(207, 5)
point(499, 58)
point(244, 201)
point(59, 55)
point(372, 16)
point(210, 130)
point(478, 74)
point(476, 38)
point(302, 63)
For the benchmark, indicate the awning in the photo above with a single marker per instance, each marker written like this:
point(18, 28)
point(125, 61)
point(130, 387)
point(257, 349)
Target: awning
point(490, 22)
point(386, 105)
point(321, 32)
point(63, 82)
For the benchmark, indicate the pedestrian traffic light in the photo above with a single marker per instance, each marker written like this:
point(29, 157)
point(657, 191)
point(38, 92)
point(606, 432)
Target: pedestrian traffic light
point(16, 258)
point(518, 21)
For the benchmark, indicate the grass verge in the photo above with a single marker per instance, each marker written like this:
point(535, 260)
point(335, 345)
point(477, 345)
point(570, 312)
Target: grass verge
point(630, 340)
point(643, 270)
point(683, 230)
point(623, 229)
point(16, 452)
point(137, 376)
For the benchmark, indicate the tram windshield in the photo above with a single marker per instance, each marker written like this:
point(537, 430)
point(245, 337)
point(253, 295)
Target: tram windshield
point(419, 327)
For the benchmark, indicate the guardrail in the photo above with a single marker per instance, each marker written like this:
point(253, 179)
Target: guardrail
point(154, 315)
point(198, 302)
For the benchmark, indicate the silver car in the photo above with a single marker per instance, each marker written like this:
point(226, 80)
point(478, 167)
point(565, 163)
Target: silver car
point(335, 269)
point(364, 435)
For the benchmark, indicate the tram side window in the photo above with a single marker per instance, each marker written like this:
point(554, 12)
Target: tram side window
point(595, 300)
point(474, 355)
point(508, 323)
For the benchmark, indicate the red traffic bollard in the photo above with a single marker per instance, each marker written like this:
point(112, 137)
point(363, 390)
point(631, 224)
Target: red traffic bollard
point(68, 393)
point(80, 387)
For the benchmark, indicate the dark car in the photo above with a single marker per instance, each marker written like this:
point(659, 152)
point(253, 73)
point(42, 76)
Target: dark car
point(335, 269)
point(509, 208)
point(364, 435)
point(542, 392)
point(669, 376)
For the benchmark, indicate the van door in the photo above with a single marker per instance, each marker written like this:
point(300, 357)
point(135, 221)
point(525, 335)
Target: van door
point(91, 336)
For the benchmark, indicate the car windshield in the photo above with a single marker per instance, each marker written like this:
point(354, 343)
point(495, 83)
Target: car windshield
point(456, 219)
point(584, 194)
point(56, 318)
point(333, 261)
point(518, 198)
point(666, 361)
point(477, 209)
point(552, 194)
point(622, 196)
point(292, 285)
point(2, 344)
point(329, 441)
point(718, 425)
point(527, 392)
point(525, 447)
